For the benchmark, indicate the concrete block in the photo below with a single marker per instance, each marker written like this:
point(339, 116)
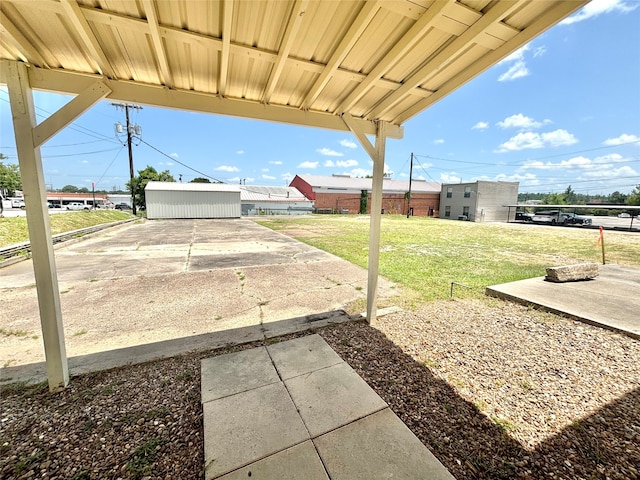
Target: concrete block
point(572, 273)
point(332, 397)
point(302, 355)
point(243, 428)
point(236, 372)
point(379, 446)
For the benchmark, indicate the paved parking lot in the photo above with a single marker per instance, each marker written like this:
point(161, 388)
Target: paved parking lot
point(161, 280)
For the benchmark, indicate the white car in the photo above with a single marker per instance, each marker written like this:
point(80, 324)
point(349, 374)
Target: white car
point(76, 206)
point(624, 215)
point(18, 203)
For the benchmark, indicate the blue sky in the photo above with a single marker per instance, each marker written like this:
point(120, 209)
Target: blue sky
point(563, 110)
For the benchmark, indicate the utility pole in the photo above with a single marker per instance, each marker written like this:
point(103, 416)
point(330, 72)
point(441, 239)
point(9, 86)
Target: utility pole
point(131, 129)
point(409, 195)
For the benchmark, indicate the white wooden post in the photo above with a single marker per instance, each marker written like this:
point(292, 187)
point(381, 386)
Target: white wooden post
point(24, 122)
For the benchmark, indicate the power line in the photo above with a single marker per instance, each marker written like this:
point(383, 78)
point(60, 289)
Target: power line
point(178, 161)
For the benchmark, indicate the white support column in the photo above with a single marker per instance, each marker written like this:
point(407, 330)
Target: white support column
point(29, 137)
point(24, 123)
point(377, 154)
point(374, 228)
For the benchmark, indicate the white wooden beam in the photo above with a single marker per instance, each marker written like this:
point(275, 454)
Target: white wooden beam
point(44, 266)
point(377, 154)
point(227, 22)
point(73, 13)
point(544, 22)
point(285, 46)
point(433, 66)
point(365, 16)
point(68, 113)
point(399, 50)
point(158, 45)
point(123, 91)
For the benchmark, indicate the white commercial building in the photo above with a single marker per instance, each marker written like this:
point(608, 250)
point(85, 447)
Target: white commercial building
point(192, 200)
point(479, 201)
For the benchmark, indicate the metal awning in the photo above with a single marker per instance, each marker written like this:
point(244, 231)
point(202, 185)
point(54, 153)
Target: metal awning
point(351, 65)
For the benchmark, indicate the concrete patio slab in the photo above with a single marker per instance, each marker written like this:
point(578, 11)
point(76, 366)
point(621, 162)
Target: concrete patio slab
point(379, 446)
point(249, 426)
point(332, 397)
point(302, 355)
point(235, 373)
point(611, 300)
point(295, 463)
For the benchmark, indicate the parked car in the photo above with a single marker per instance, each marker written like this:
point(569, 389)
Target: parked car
point(524, 217)
point(122, 206)
point(77, 206)
point(550, 216)
point(18, 203)
point(573, 219)
point(624, 215)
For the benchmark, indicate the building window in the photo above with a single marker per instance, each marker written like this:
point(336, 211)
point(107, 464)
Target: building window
point(449, 192)
point(447, 211)
point(467, 192)
point(465, 211)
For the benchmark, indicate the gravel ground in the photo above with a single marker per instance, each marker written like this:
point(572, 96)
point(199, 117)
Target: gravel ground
point(494, 389)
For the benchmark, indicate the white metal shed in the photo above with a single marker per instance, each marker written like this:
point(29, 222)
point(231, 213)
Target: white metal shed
point(192, 200)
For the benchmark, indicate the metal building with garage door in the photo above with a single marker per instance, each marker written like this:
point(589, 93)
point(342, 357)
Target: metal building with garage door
point(192, 200)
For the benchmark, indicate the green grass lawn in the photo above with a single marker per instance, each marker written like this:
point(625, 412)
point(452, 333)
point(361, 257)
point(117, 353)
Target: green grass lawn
point(14, 229)
point(426, 254)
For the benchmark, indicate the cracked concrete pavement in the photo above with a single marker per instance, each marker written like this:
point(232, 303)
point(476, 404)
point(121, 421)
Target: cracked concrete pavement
point(161, 280)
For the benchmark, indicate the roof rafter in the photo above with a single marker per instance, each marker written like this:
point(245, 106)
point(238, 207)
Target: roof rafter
point(365, 16)
point(561, 10)
point(446, 56)
point(285, 47)
point(424, 23)
point(227, 22)
point(161, 54)
point(81, 27)
point(14, 37)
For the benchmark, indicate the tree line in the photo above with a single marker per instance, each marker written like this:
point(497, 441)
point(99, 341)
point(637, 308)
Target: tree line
point(569, 197)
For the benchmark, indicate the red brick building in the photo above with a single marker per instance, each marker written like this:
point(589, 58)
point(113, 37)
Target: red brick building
point(343, 194)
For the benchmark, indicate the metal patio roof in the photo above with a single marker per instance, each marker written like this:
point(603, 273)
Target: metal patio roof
point(352, 65)
point(303, 62)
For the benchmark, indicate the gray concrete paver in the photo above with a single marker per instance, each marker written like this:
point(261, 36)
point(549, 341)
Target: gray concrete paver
point(235, 373)
point(249, 426)
point(302, 355)
point(379, 446)
point(331, 397)
point(295, 463)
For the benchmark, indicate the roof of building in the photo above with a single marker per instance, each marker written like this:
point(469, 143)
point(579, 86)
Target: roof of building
point(192, 187)
point(351, 183)
point(256, 193)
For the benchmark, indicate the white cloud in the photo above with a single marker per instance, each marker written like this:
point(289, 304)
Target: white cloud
point(347, 163)
point(239, 152)
point(348, 143)
point(166, 164)
point(244, 180)
point(605, 167)
point(450, 177)
point(624, 138)
point(524, 140)
point(265, 170)
point(275, 162)
point(518, 66)
point(308, 164)
point(174, 155)
point(287, 177)
point(438, 141)
point(85, 161)
point(268, 177)
point(329, 163)
point(480, 126)
point(522, 122)
point(599, 7)
point(328, 152)
point(226, 168)
point(539, 51)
